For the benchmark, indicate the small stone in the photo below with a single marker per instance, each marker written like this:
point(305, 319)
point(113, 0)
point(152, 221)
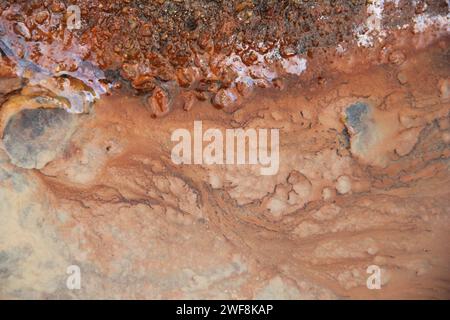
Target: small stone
point(344, 185)
point(215, 181)
point(185, 76)
point(159, 102)
point(188, 102)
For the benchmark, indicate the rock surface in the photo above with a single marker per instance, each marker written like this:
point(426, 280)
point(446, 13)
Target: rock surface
point(363, 178)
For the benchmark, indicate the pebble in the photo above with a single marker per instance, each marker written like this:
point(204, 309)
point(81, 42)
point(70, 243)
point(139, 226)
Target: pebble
point(159, 102)
point(188, 101)
point(344, 185)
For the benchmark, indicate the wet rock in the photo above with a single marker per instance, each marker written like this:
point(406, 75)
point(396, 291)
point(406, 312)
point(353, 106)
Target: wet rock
point(186, 76)
point(159, 102)
point(79, 96)
point(188, 101)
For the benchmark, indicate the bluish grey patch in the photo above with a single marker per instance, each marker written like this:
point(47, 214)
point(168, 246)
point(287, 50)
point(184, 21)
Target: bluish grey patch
point(19, 182)
point(32, 134)
point(4, 175)
point(3, 257)
point(6, 265)
point(355, 116)
point(10, 259)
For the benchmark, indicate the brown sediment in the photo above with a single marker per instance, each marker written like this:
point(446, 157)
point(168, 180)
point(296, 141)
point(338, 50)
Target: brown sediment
point(363, 176)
